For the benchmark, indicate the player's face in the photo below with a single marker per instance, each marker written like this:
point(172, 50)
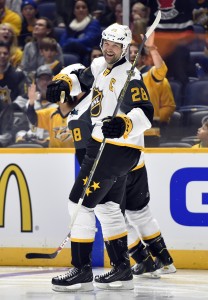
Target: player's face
point(111, 51)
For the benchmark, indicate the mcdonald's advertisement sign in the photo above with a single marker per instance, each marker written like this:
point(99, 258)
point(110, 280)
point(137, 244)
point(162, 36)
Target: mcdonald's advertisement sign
point(34, 190)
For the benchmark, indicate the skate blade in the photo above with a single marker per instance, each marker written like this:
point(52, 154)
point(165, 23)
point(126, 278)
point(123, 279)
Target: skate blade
point(117, 285)
point(150, 275)
point(79, 287)
point(167, 269)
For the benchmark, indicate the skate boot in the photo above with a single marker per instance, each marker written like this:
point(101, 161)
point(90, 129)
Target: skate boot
point(120, 277)
point(162, 269)
point(163, 261)
point(76, 279)
point(145, 264)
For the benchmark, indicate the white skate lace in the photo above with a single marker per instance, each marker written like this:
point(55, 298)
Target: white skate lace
point(108, 273)
point(69, 274)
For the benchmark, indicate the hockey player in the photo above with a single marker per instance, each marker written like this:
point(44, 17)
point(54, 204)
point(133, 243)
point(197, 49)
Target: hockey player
point(144, 235)
point(124, 141)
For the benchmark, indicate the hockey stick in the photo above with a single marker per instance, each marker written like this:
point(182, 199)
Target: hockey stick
point(120, 99)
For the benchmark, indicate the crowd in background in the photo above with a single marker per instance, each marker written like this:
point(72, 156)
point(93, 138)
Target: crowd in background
point(40, 37)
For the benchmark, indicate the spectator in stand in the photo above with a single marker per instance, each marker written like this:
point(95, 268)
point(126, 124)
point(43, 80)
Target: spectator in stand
point(53, 119)
point(11, 80)
point(96, 52)
point(9, 16)
point(6, 124)
point(49, 50)
point(119, 13)
point(11, 85)
point(139, 20)
point(154, 69)
point(64, 10)
point(108, 16)
point(29, 18)
point(32, 57)
point(202, 135)
point(83, 33)
point(37, 91)
point(173, 36)
point(8, 35)
point(200, 16)
point(14, 5)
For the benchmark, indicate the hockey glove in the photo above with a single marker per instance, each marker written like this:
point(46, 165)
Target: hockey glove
point(60, 82)
point(116, 127)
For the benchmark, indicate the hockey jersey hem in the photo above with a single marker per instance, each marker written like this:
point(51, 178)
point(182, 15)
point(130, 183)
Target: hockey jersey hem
point(119, 144)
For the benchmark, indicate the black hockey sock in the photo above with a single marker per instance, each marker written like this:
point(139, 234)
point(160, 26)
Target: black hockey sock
point(158, 249)
point(81, 254)
point(143, 258)
point(118, 251)
point(140, 252)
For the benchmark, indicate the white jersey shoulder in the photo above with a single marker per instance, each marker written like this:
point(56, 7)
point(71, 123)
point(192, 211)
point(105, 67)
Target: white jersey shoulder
point(69, 69)
point(98, 64)
point(76, 88)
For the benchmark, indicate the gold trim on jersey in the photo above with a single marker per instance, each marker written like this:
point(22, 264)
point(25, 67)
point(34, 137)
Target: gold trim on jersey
point(65, 78)
point(106, 72)
point(138, 167)
point(115, 237)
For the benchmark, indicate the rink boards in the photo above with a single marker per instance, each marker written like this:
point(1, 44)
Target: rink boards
point(34, 189)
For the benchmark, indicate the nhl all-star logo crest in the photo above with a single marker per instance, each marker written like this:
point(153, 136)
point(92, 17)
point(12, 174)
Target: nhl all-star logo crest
point(96, 105)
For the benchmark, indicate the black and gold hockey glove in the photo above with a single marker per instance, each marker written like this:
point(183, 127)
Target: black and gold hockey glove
point(60, 82)
point(116, 127)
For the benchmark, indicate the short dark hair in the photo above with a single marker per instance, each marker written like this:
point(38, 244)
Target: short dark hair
point(49, 25)
point(6, 45)
point(48, 43)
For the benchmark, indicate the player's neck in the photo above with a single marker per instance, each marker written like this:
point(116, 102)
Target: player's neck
point(65, 108)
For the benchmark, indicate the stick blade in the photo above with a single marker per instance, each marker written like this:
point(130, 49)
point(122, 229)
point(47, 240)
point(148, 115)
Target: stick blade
point(154, 24)
point(41, 255)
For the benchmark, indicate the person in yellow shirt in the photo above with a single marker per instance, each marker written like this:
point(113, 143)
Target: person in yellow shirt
point(9, 16)
point(8, 35)
point(53, 119)
point(154, 70)
point(202, 135)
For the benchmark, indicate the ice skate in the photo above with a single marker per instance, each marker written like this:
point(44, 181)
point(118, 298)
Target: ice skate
point(163, 259)
point(147, 268)
point(74, 280)
point(164, 269)
point(145, 265)
point(118, 278)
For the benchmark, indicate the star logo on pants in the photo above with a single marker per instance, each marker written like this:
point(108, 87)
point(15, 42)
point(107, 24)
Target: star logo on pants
point(94, 186)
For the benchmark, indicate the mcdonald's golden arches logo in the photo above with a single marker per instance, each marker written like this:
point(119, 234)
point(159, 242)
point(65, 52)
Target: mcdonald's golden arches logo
point(24, 196)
